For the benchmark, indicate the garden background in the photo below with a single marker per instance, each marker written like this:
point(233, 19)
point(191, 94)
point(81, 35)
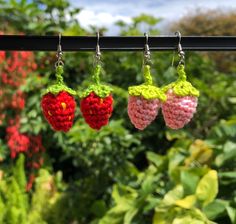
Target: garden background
point(117, 175)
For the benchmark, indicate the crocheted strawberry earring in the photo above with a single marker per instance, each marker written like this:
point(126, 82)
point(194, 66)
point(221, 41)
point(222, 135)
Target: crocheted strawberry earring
point(182, 97)
point(58, 104)
point(145, 99)
point(96, 103)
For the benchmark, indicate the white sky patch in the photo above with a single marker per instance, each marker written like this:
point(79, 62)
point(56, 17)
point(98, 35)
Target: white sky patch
point(89, 17)
point(107, 12)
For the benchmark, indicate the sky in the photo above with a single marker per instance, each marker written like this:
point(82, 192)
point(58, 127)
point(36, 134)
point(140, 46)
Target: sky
point(107, 12)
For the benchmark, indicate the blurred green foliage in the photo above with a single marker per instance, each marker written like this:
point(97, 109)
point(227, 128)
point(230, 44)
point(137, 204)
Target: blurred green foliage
point(121, 175)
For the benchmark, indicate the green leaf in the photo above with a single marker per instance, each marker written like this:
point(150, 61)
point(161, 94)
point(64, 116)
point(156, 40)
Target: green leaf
point(152, 202)
point(147, 185)
point(215, 209)
point(172, 196)
point(130, 215)
point(173, 134)
point(19, 172)
point(160, 218)
point(187, 202)
point(129, 194)
point(189, 180)
point(232, 214)
point(114, 215)
point(227, 178)
point(156, 159)
point(229, 153)
point(187, 219)
point(99, 208)
point(2, 208)
point(207, 188)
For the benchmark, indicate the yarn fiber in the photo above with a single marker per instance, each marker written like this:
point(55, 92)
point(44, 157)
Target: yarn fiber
point(142, 111)
point(97, 102)
point(178, 110)
point(58, 104)
point(96, 110)
point(59, 110)
point(181, 103)
point(144, 101)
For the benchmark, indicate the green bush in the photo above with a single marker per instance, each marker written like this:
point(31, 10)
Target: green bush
point(119, 175)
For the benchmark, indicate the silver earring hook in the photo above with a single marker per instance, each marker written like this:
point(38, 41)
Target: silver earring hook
point(178, 34)
point(98, 52)
point(180, 50)
point(59, 42)
point(59, 52)
point(146, 35)
point(147, 53)
point(98, 36)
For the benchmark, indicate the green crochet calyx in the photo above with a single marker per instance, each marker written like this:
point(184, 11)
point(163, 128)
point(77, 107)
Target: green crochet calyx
point(98, 88)
point(182, 87)
point(59, 85)
point(147, 89)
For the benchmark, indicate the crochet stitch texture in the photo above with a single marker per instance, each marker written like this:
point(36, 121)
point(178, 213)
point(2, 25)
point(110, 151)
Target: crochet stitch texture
point(97, 102)
point(144, 101)
point(59, 110)
point(181, 103)
point(58, 104)
point(142, 111)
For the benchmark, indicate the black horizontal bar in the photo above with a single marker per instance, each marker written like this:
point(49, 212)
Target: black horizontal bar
point(116, 43)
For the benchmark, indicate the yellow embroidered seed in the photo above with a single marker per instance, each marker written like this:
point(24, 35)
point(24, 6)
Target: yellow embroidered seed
point(49, 113)
point(69, 118)
point(101, 100)
point(63, 105)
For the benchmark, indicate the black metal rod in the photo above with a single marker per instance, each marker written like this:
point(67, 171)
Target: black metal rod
point(116, 43)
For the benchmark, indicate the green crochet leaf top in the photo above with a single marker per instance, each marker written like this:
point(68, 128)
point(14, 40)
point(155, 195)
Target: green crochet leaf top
point(182, 87)
point(147, 89)
point(59, 85)
point(98, 88)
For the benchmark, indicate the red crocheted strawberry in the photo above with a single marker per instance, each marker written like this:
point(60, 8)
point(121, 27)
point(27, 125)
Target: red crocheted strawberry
point(58, 104)
point(181, 102)
point(96, 103)
point(144, 101)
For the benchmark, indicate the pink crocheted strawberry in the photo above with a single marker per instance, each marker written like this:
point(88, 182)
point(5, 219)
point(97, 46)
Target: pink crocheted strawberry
point(58, 104)
point(96, 103)
point(144, 101)
point(181, 102)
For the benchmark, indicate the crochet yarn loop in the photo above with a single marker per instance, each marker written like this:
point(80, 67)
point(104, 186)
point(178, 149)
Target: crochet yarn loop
point(147, 75)
point(181, 87)
point(181, 73)
point(147, 89)
point(59, 85)
point(59, 72)
point(98, 88)
point(96, 75)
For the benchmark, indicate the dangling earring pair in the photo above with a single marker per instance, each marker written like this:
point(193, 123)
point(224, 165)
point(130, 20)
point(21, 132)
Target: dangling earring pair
point(58, 103)
point(178, 100)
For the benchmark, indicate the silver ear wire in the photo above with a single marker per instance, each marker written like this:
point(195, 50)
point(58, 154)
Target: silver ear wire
point(180, 50)
point(98, 52)
point(59, 52)
point(146, 53)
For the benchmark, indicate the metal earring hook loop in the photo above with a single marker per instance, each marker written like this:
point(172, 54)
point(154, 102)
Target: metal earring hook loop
point(146, 36)
point(59, 49)
point(178, 34)
point(180, 50)
point(147, 53)
point(98, 36)
point(59, 52)
point(59, 41)
point(98, 52)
